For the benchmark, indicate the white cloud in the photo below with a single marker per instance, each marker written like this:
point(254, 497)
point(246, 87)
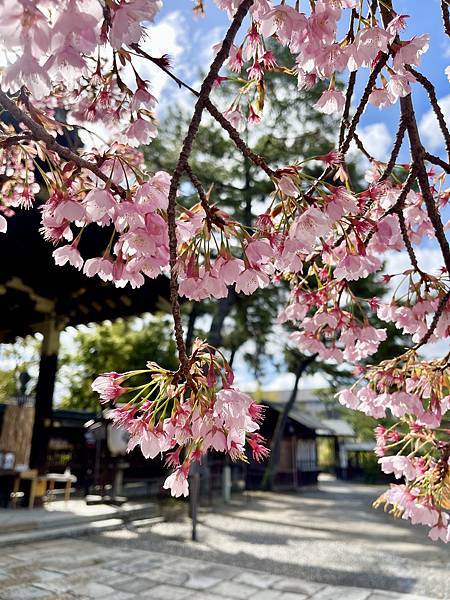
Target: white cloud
point(166, 37)
point(430, 260)
point(376, 139)
point(429, 126)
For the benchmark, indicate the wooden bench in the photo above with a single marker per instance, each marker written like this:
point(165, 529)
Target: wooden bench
point(49, 479)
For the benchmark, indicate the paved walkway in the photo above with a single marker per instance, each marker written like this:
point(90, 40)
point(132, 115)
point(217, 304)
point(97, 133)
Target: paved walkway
point(81, 569)
point(324, 544)
point(331, 535)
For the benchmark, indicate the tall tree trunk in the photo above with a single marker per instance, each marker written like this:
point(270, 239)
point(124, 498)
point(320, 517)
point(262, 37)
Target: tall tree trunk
point(190, 328)
point(275, 446)
point(224, 306)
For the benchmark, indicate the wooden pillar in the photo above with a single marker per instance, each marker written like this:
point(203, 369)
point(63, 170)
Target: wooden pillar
point(44, 396)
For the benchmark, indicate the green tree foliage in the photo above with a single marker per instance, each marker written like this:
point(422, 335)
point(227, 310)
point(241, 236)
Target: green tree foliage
point(129, 343)
point(19, 362)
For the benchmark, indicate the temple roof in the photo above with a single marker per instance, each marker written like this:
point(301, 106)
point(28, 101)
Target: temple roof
point(33, 288)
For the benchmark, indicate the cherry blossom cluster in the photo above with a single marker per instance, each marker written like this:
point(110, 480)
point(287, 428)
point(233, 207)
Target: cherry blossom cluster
point(138, 244)
point(185, 419)
point(320, 55)
point(416, 447)
point(71, 67)
point(78, 52)
point(332, 330)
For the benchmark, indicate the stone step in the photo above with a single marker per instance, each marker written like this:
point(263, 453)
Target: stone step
point(126, 513)
point(74, 530)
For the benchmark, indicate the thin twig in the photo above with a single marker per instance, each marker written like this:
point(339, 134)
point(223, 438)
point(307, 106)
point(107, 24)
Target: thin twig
point(361, 147)
point(159, 62)
point(196, 183)
point(214, 112)
point(431, 91)
point(406, 240)
point(363, 102)
point(234, 135)
point(437, 161)
point(434, 323)
point(348, 102)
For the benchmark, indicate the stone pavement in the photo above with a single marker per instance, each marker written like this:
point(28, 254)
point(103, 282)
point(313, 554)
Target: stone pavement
point(70, 569)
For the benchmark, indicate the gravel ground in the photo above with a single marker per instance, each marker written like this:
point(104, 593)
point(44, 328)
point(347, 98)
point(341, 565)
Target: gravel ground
point(328, 535)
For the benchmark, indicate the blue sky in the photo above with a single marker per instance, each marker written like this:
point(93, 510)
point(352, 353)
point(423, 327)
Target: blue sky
point(193, 38)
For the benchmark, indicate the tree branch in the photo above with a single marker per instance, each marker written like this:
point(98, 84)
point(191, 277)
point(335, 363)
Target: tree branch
point(445, 16)
point(40, 134)
point(418, 153)
point(434, 323)
point(431, 91)
point(363, 102)
point(418, 157)
point(437, 161)
point(361, 147)
point(239, 142)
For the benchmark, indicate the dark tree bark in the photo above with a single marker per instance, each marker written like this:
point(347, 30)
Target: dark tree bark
point(275, 446)
point(224, 307)
point(191, 327)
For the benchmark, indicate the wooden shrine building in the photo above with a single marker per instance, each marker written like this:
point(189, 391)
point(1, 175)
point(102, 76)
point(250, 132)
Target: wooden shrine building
point(38, 296)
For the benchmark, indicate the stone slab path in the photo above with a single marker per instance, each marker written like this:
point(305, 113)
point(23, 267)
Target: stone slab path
point(81, 569)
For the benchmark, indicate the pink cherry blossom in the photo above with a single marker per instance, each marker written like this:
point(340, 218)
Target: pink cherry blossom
point(401, 466)
point(177, 483)
point(98, 203)
point(140, 132)
point(68, 254)
point(126, 27)
point(108, 386)
point(331, 101)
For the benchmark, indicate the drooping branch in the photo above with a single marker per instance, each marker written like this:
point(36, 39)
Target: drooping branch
point(213, 111)
point(40, 134)
point(418, 157)
point(406, 240)
point(350, 85)
point(430, 89)
point(418, 153)
point(361, 147)
point(197, 184)
point(162, 63)
point(239, 142)
point(348, 102)
point(186, 149)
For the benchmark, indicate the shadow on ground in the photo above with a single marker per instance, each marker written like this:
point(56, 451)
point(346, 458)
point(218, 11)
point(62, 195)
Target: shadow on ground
point(329, 535)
